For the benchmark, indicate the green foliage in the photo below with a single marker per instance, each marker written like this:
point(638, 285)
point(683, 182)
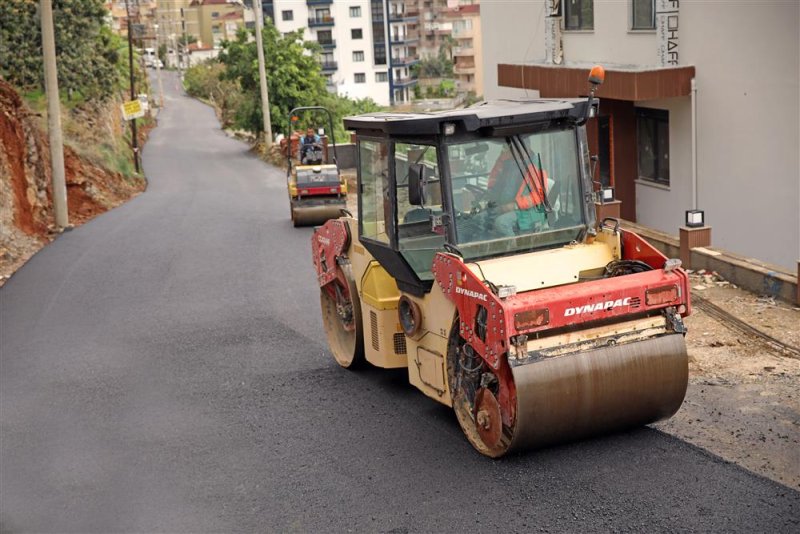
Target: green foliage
point(294, 77)
point(294, 80)
point(87, 52)
point(207, 81)
point(341, 107)
point(440, 66)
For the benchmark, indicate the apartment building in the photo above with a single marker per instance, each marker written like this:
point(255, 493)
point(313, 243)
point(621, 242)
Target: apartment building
point(700, 108)
point(175, 24)
point(142, 15)
point(433, 30)
point(215, 21)
point(466, 46)
point(368, 48)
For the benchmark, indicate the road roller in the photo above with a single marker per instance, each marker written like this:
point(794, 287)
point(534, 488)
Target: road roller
point(476, 262)
point(317, 190)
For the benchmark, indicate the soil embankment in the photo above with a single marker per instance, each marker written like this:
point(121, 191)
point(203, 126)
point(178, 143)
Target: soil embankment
point(92, 138)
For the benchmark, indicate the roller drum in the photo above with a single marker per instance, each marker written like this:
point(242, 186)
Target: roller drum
point(315, 215)
point(594, 392)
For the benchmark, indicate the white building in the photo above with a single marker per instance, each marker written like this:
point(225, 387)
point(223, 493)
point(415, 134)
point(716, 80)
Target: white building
point(700, 108)
point(353, 34)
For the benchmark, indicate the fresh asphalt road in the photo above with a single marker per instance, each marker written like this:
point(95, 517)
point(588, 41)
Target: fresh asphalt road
point(163, 369)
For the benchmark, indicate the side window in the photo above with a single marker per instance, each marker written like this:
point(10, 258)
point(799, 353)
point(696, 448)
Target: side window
point(373, 157)
point(417, 240)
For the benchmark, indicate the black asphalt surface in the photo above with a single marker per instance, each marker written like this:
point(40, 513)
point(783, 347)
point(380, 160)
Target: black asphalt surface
point(163, 369)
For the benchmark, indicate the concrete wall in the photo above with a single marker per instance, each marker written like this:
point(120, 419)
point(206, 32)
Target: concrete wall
point(747, 59)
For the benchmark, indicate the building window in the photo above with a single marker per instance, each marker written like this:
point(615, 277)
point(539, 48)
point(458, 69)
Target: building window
point(358, 56)
point(380, 54)
point(287, 14)
point(360, 77)
point(652, 139)
point(325, 37)
point(643, 15)
point(578, 14)
point(355, 11)
point(214, 14)
point(356, 34)
point(381, 77)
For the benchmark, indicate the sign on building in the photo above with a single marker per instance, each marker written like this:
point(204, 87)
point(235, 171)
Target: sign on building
point(132, 110)
point(667, 31)
point(554, 47)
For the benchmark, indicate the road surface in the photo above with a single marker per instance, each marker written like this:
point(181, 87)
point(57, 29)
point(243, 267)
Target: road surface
point(163, 369)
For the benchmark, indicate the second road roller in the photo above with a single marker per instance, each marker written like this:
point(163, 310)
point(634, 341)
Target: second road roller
point(317, 190)
point(477, 263)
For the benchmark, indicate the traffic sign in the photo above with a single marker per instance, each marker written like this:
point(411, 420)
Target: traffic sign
point(132, 110)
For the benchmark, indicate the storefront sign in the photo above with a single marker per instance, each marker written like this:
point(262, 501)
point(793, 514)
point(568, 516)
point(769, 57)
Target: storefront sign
point(667, 31)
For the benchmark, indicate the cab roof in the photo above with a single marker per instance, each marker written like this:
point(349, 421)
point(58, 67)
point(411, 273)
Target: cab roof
point(492, 114)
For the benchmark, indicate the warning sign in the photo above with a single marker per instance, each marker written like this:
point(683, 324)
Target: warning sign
point(132, 110)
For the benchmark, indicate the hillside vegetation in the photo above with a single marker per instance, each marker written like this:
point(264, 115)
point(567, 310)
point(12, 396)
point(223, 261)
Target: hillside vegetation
point(92, 73)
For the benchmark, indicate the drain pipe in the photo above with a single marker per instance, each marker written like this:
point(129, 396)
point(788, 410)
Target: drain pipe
point(694, 143)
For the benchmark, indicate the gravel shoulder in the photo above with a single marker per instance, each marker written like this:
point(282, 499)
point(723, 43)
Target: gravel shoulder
point(743, 401)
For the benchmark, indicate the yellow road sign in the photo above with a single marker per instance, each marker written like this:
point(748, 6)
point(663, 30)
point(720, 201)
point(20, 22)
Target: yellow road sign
point(132, 110)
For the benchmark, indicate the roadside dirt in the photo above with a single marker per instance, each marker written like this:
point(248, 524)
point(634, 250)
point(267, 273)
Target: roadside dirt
point(26, 211)
point(743, 401)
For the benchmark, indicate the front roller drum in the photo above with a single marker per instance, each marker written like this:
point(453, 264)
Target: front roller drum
point(315, 215)
point(341, 317)
point(579, 395)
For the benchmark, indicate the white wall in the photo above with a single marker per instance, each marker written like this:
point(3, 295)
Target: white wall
point(512, 32)
point(748, 77)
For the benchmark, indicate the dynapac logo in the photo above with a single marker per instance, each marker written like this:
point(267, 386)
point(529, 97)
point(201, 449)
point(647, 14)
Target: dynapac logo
point(470, 293)
point(589, 308)
point(324, 240)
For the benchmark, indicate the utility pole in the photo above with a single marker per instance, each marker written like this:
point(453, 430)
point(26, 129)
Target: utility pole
point(262, 75)
point(54, 116)
point(134, 136)
point(158, 71)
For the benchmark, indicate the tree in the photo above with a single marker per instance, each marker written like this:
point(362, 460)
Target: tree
point(294, 75)
point(86, 50)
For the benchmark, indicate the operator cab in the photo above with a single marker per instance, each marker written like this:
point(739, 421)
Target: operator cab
point(498, 178)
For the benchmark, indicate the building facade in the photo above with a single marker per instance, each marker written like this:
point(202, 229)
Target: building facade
point(700, 108)
point(368, 45)
point(466, 46)
point(214, 21)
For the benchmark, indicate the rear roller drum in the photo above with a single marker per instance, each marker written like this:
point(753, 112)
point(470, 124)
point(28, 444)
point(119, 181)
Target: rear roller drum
point(341, 317)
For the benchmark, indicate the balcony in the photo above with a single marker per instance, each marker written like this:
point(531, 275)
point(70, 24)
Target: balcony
point(403, 39)
point(403, 17)
point(319, 2)
point(464, 69)
point(404, 61)
point(464, 51)
point(320, 22)
point(328, 44)
point(329, 66)
point(404, 82)
point(463, 33)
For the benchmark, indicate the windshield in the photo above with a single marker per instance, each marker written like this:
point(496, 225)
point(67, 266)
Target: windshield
point(516, 193)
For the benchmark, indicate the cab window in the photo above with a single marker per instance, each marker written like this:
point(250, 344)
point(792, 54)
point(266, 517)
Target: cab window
point(373, 160)
point(417, 238)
